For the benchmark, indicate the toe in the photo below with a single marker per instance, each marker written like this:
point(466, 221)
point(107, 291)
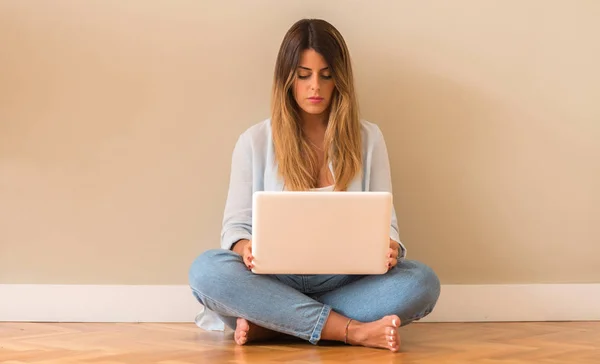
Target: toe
point(240, 338)
point(394, 320)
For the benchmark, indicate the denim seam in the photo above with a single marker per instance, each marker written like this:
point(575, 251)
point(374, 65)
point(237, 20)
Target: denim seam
point(264, 324)
point(316, 334)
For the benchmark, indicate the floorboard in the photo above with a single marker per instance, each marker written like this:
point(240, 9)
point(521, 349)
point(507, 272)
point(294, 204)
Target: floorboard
point(424, 343)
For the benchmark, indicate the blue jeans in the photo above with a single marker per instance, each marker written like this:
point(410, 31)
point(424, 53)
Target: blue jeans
point(299, 305)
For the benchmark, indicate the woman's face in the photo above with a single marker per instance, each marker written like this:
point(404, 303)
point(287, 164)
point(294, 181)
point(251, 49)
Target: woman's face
point(313, 85)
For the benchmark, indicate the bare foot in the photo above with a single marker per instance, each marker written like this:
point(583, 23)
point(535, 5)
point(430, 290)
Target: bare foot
point(246, 332)
point(377, 334)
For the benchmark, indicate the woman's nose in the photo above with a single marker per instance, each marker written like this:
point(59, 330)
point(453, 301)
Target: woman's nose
point(315, 83)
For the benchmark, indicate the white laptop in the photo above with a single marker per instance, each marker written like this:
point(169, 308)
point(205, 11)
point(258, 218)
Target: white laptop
point(321, 232)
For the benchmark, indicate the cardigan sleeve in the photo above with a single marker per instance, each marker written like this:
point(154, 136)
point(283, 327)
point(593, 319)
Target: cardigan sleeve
point(381, 180)
point(237, 216)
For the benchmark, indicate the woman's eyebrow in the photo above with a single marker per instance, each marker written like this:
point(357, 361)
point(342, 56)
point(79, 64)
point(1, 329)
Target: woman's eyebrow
point(310, 69)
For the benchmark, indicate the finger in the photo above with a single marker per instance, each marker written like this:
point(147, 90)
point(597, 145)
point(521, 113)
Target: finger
point(394, 246)
point(394, 262)
point(248, 254)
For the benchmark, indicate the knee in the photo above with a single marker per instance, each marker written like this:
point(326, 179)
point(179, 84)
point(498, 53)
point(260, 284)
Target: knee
point(427, 286)
point(208, 267)
point(429, 280)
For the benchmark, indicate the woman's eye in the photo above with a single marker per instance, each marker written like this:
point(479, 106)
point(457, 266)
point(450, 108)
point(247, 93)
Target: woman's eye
point(305, 77)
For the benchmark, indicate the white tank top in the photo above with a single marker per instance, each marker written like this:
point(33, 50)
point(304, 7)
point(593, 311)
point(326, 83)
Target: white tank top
point(324, 189)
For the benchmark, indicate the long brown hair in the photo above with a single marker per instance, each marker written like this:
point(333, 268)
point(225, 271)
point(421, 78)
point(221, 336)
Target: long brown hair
point(297, 162)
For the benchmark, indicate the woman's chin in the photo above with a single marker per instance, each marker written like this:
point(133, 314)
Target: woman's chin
point(314, 110)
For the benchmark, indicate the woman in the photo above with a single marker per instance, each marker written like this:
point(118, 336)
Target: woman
point(314, 140)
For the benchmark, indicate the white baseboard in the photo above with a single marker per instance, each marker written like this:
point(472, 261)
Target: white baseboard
point(517, 302)
point(123, 303)
point(97, 303)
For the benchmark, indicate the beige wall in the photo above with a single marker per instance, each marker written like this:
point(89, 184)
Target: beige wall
point(117, 121)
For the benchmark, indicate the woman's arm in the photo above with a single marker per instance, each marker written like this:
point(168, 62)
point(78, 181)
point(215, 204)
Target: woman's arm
point(237, 217)
point(381, 180)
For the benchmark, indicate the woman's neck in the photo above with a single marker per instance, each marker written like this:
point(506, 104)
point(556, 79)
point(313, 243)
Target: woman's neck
point(314, 124)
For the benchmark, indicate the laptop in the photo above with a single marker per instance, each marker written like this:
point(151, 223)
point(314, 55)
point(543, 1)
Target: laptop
point(308, 232)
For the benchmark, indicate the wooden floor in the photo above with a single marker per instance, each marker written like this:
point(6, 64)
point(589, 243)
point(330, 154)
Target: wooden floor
point(423, 343)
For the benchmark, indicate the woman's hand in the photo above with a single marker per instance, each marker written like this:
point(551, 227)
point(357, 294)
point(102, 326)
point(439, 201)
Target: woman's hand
point(393, 253)
point(244, 248)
